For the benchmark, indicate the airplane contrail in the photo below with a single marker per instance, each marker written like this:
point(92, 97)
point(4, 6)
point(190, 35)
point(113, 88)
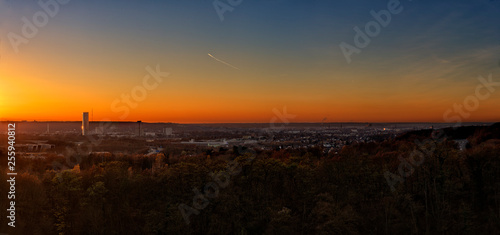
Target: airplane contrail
point(228, 64)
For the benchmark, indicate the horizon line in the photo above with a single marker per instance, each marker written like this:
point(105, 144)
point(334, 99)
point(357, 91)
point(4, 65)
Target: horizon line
point(305, 122)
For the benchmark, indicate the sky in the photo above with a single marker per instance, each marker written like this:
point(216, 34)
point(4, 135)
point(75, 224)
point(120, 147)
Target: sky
point(261, 57)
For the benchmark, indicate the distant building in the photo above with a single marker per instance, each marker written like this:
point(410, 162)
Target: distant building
point(150, 134)
point(99, 130)
point(140, 131)
point(168, 131)
point(38, 147)
point(85, 124)
point(207, 143)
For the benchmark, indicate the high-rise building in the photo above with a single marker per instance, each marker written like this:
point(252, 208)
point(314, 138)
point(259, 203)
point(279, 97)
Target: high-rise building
point(140, 131)
point(85, 124)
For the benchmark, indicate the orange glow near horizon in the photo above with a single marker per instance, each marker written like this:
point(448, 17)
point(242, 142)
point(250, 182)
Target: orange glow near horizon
point(23, 98)
point(348, 114)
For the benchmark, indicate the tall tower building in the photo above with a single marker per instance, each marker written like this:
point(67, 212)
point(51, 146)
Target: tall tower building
point(85, 124)
point(140, 132)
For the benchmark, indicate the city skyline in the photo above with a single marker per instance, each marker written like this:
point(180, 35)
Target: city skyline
point(261, 56)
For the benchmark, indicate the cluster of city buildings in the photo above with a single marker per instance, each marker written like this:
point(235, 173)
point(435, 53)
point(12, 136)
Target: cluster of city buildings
point(330, 138)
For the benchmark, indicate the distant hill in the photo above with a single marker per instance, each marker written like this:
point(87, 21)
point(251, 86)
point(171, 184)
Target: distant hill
point(479, 133)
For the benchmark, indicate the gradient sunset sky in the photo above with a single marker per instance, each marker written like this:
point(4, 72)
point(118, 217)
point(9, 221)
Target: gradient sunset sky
point(270, 54)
